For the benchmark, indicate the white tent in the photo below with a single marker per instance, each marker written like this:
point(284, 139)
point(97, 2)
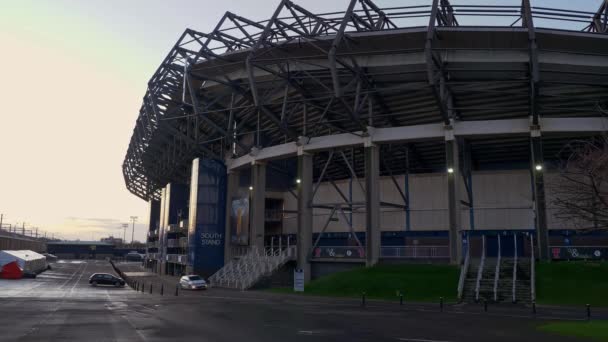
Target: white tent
point(29, 261)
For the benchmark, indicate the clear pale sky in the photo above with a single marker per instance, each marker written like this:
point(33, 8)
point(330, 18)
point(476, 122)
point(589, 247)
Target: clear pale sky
point(72, 79)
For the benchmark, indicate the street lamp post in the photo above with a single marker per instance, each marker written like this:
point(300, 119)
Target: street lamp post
point(133, 219)
point(124, 233)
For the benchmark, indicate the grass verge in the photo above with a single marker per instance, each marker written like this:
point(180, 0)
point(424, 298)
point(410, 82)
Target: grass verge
point(595, 330)
point(572, 283)
point(424, 283)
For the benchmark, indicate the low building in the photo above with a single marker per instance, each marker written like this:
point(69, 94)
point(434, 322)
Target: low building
point(81, 249)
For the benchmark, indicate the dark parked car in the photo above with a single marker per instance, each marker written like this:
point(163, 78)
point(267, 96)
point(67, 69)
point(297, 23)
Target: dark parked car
point(132, 256)
point(105, 279)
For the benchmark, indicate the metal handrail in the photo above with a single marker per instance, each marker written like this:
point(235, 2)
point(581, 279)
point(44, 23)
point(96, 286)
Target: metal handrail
point(463, 272)
point(514, 296)
point(481, 264)
point(497, 271)
point(532, 270)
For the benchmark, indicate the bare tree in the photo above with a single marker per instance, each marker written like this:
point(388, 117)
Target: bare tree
point(581, 193)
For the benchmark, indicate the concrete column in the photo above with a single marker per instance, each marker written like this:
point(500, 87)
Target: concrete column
point(231, 191)
point(258, 204)
point(161, 231)
point(153, 224)
point(538, 169)
point(305, 164)
point(372, 204)
point(154, 215)
point(454, 196)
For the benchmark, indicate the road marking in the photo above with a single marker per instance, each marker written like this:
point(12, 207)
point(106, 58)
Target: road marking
point(306, 332)
point(418, 340)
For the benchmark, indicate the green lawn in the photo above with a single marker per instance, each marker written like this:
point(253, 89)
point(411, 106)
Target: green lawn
point(572, 283)
point(595, 330)
point(417, 282)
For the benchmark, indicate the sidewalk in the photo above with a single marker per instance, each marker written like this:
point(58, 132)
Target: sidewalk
point(136, 273)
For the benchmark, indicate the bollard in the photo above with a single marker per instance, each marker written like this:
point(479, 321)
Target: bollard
point(162, 289)
point(534, 308)
point(485, 305)
point(150, 288)
point(363, 299)
point(588, 311)
point(143, 285)
point(400, 298)
point(441, 304)
point(176, 289)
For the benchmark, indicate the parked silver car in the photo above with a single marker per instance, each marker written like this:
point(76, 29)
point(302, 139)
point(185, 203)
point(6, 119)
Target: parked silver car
point(192, 282)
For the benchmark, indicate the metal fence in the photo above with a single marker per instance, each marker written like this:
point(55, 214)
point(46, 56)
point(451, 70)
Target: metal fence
point(414, 252)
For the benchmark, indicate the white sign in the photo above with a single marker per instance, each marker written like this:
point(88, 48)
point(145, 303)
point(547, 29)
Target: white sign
point(298, 280)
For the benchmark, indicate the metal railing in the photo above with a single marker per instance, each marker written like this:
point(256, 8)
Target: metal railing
point(183, 242)
point(239, 251)
point(153, 244)
point(463, 272)
point(174, 228)
point(481, 265)
point(244, 272)
point(532, 271)
point(414, 252)
point(514, 295)
point(497, 271)
point(177, 258)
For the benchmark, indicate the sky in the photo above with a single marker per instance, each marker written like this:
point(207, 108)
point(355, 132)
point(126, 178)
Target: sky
point(72, 77)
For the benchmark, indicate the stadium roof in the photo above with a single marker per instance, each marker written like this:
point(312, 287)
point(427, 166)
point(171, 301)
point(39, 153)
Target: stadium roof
point(248, 87)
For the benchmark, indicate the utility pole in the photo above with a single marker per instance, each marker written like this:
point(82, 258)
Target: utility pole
point(1, 217)
point(133, 219)
point(23, 229)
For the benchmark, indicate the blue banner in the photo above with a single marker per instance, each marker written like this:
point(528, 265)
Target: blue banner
point(206, 232)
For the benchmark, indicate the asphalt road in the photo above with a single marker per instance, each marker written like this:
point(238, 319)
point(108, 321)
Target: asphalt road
point(59, 305)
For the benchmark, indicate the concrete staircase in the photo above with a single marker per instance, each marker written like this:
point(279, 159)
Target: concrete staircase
point(504, 289)
point(244, 272)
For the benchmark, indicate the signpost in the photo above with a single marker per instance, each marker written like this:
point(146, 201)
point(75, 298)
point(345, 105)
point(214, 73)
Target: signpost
point(298, 280)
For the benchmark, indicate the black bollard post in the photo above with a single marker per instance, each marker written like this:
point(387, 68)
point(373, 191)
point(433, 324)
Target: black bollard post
point(143, 287)
point(136, 286)
point(176, 290)
point(363, 299)
point(150, 288)
point(534, 308)
point(441, 304)
point(588, 311)
point(400, 298)
point(162, 289)
point(485, 305)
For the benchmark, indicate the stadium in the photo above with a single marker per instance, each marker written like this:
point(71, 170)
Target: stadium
point(324, 141)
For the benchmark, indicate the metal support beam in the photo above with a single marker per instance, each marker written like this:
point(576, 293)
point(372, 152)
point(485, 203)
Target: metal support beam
point(372, 204)
point(528, 22)
point(304, 241)
point(454, 212)
point(540, 208)
point(258, 204)
point(408, 224)
point(467, 177)
point(231, 192)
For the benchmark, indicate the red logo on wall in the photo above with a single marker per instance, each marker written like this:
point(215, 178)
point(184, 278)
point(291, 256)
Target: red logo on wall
point(556, 252)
